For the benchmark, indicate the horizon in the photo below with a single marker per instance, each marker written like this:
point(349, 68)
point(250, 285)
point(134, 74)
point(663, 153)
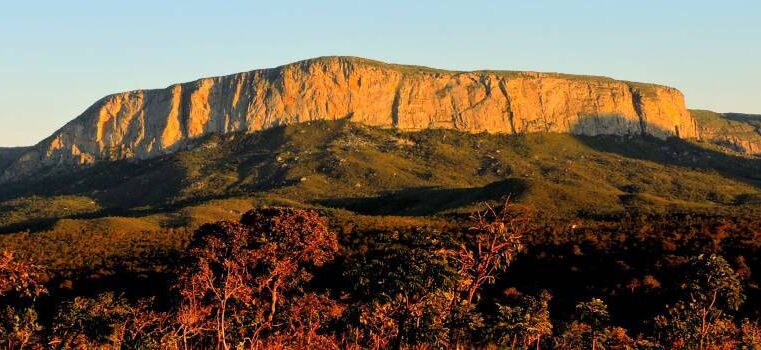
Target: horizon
point(51, 79)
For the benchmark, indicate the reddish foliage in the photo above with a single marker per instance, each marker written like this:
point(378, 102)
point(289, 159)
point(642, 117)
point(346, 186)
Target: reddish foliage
point(236, 273)
point(21, 277)
point(497, 240)
point(21, 282)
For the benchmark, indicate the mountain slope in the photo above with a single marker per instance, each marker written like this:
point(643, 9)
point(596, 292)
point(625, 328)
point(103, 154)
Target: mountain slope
point(734, 131)
point(373, 170)
point(148, 123)
point(8, 155)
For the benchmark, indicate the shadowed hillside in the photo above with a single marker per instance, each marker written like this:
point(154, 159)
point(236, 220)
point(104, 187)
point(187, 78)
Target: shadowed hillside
point(381, 171)
point(680, 153)
point(9, 154)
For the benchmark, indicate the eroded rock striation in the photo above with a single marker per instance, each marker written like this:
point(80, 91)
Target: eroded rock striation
point(147, 123)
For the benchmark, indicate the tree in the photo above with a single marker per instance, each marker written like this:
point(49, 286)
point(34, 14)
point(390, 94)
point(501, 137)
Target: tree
point(575, 336)
point(750, 335)
point(217, 283)
point(616, 338)
point(528, 321)
point(409, 284)
point(19, 277)
point(496, 241)
point(91, 322)
point(595, 314)
point(146, 328)
point(21, 283)
point(289, 242)
point(307, 316)
point(701, 319)
point(592, 330)
point(110, 321)
point(236, 274)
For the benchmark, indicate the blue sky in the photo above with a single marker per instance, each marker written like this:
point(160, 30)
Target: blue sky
point(58, 57)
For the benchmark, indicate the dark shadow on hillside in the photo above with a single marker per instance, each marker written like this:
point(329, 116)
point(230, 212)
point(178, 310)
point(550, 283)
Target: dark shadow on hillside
point(421, 201)
point(118, 183)
point(9, 154)
point(742, 117)
point(671, 151)
point(48, 223)
point(153, 182)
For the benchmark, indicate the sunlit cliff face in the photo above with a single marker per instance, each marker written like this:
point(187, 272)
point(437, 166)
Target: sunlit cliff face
point(144, 124)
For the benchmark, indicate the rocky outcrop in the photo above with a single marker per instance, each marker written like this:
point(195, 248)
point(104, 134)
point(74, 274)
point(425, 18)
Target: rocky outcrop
point(736, 132)
point(147, 123)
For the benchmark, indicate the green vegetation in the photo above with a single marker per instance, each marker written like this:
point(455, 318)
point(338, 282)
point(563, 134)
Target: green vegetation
point(712, 119)
point(415, 69)
point(361, 177)
point(730, 131)
point(340, 164)
point(23, 210)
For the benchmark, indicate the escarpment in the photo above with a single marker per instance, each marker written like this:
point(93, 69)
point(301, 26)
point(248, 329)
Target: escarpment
point(148, 123)
point(734, 131)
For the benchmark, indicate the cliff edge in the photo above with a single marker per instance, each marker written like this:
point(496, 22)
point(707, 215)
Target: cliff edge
point(147, 123)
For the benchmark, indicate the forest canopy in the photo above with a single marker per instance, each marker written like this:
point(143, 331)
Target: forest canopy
point(288, 278)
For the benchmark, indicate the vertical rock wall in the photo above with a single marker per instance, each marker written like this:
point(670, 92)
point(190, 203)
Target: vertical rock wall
point(144, 124)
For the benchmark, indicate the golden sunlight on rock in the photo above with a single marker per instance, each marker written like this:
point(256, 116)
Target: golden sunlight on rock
point(144, 124)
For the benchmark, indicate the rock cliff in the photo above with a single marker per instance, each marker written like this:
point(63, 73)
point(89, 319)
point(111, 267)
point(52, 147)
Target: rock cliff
point(147, 123)
point(734, 131)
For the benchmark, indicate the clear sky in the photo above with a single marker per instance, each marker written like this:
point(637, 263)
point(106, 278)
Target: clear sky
point(58, 57)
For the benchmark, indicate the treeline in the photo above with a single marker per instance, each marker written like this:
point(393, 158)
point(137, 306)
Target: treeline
point(281, 278)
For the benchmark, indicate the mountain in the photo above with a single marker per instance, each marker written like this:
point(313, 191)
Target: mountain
point(376, 138)
point(382, 171)
point(8, 155)
point(394, 160)
point(734, 131)
point(148, 123)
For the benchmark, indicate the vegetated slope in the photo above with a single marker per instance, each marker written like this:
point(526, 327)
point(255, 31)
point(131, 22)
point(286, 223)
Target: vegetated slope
point(382, 171)
point(9, 154)
point(733, 131)
point(135, 213)
point(149, 123)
